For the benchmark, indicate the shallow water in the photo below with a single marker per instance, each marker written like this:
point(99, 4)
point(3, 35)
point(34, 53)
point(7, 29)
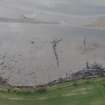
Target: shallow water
point(26, 53)
point(30, 63)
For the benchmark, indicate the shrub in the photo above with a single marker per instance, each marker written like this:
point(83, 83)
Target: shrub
point(41, 88)
point(87, 82)
point(61, 80)
point(75, 83)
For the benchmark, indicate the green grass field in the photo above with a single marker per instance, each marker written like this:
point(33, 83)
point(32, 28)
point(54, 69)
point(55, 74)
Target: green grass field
point(83, 92)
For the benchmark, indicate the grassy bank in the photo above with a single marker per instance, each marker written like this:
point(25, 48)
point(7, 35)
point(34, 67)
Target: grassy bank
point(82, 92)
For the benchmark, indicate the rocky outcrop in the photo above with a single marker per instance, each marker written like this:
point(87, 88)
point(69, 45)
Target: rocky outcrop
point(90, 71)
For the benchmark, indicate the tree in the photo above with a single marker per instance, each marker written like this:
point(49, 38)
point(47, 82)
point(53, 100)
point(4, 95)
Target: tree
point(85, 44)
point(54, 45)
